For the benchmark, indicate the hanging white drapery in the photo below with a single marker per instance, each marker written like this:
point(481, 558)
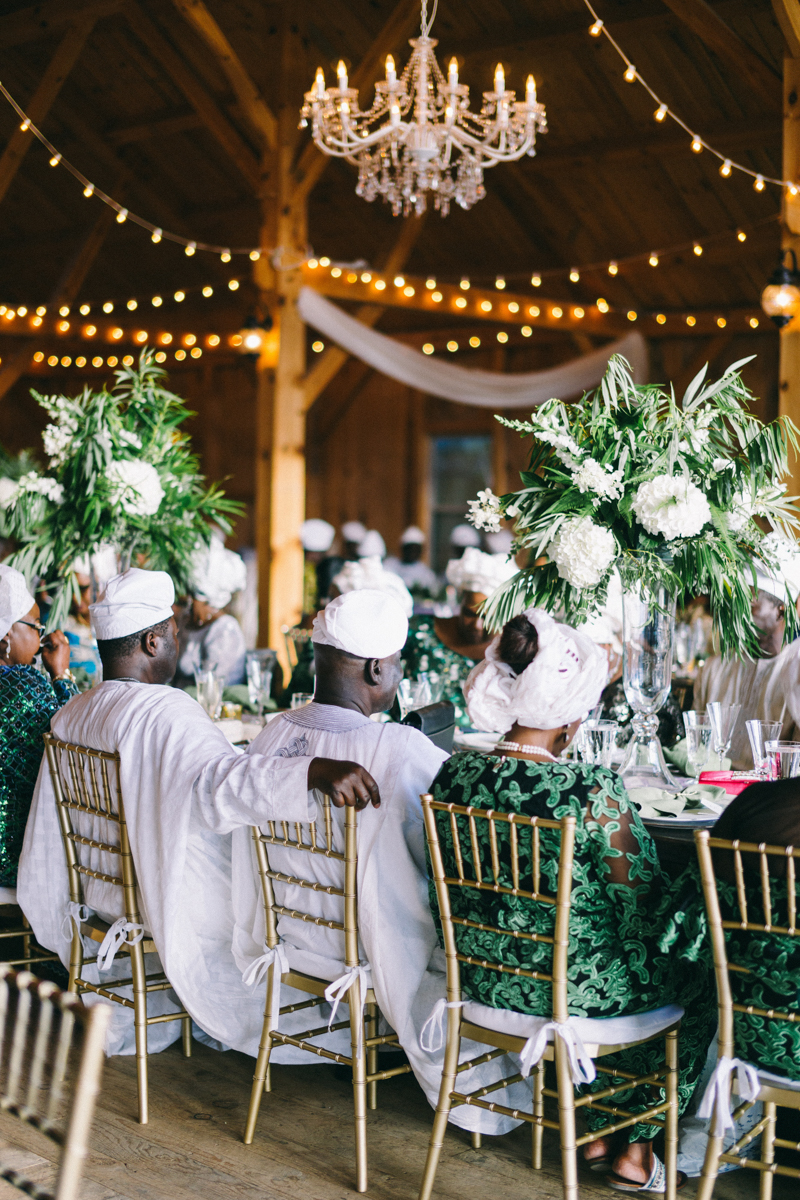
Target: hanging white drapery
point(465, 385)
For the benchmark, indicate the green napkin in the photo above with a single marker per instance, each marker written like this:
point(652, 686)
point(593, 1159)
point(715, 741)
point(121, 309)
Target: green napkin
point(676, 757)
point(653, 802)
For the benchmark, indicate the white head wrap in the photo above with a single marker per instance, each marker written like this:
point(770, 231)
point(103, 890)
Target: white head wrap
point(370, 573)
point(500, 542)
point(15, 599)
point(131, 602)
point(776, 581)
point(413, 535)
point(217, 573)
point(560, 686)
point(372, 544)
point(316, 534)
point(606, 627)
point(353, 531)
point(368, 623)
point(479, 572)
point(464, 535)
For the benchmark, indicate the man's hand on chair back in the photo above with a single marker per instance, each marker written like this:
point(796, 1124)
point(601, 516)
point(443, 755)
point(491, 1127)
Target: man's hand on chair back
point(346, 783)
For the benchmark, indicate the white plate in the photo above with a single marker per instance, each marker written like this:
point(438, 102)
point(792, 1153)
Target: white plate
point(698, 818)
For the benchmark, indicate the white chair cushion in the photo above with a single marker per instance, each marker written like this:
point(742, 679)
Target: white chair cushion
point(593, 1031)
point(8, 895)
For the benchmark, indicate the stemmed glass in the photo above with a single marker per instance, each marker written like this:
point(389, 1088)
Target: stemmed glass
point(209, 691)
point(260, 664)
point(698, 741)
point(759, 733)
point(723, 719)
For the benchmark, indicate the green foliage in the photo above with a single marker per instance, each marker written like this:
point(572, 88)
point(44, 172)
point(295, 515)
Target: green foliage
point(121, 473)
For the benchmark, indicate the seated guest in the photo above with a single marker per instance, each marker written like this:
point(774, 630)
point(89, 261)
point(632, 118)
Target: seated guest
point(449, 647)
point(320, 565)
point(537, 681)
point(352, 536)
point(27, 702)
point(461, 538)
point(210, 637)
point(372, 545)
point(184, 788)
point(415, 574)
point(747, 682)
point(370, 573)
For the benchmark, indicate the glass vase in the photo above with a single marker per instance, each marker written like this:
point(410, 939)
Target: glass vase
point(648, 618)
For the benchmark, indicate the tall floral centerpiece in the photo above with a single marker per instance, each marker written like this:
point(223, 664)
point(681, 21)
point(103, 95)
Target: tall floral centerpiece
point(630, 479)
point(120, 472)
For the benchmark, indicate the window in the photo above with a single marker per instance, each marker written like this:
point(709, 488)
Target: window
point(460, 468)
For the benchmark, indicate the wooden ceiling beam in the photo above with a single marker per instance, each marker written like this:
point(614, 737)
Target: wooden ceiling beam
point(203, 103)
point(787, 13)
point(142, 131)
point(709, 26)
point(37, 21)
point(40, 102)
point(260, 116)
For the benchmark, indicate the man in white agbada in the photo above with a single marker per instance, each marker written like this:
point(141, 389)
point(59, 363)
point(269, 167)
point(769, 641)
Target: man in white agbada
point(412, 570)
point(357, 643)
point(209, 636)
point(185, 788)
point(760, 686)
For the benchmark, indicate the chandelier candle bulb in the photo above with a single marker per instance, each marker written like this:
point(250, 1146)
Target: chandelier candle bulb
point(499, 80)
point(452, 73)
point(319, 83)
point(391, 73)
point(530, 90)
point(341, 72)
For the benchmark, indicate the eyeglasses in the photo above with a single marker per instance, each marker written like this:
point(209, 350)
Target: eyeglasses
point(37, 625)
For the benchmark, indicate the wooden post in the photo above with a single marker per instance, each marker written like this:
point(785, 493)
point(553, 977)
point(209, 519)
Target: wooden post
point(789, 396)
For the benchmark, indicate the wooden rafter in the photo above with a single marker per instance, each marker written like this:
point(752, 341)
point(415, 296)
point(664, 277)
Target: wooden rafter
point(40, 102)
point(36, 21)
point(787, 13)
point(204, 105)
point(142, 131)
point(248, 95)
point(708, 25)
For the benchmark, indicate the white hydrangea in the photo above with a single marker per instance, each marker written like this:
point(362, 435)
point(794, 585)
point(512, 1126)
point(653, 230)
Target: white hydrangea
point(741, 511)
point(42, 485)
point(485, 512)
point(57, 440)
point(582, 551)
point(136, 486)
point(8, 492)
point(671, 505)
point(591, 476)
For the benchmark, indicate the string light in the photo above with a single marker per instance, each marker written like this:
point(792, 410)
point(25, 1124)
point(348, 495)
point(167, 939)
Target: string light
point(132, 305)
point(653, 260)
point(157, 301)
point(55, 160)
point(726, 168)
point(156, 236)
point(596, 29)
point(88, 190)
point(536, 280)
point(474, 342)
point(661, 112)
point(698, 249)
point(759, 183)
point(741, 235)
point(453, 346)
point(574, 275)
point(502, 336)
point(612, 268)
point(464, 285)
point(500, 283)
point(630, 74)
point(428, 348)
point(122, 216)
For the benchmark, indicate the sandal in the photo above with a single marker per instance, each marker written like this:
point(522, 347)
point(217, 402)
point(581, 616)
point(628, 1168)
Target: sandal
point(601, 1164)
point(656, 1185)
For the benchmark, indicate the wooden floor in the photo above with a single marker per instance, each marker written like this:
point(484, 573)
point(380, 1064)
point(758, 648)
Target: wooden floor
point(303, 1148)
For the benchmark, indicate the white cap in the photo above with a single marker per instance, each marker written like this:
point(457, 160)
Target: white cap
point(353, 531)
point(216, 573)
point(316, 534)
point(131, 602)
point(367, 623)
point(371, 574)
point(15, 599)
point(479, 572)
point(786, 574)
point(464, 535)
point(371, 544)
point(412, 536)
point(499, 542)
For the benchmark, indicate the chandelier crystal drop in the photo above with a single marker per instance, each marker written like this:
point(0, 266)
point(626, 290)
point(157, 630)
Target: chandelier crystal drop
point(420, 136)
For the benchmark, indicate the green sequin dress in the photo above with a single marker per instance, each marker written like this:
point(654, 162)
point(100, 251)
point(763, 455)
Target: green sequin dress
point(424, 652)
point(628, 953)
point(28, 701)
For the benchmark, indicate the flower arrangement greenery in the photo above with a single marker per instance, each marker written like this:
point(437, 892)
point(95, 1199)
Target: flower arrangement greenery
point(121, 472)
point(664, 492)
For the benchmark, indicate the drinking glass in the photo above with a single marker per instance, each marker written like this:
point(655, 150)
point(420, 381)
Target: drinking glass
point(783, 759)
point(416, 693)
point(759, 733)
point(723, 722)
point(260, 665)
point(596, 742)
point(301, 699)
point(698, 741)
point(209, 691)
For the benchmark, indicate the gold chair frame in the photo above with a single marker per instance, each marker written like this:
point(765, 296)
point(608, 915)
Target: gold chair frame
point(32, 952)
point(91, 786)
point(771, 1094)
point(292, 635)
point(364, 1068)
point(485, 877)
point(37, 1033)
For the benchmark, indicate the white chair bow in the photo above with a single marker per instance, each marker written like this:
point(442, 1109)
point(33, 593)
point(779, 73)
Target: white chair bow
point(581, 1065)
point(433, 1029)
point(258, 968)
point(115, 938)
point(336, 991)
point(73, 912)
point(717, 1096)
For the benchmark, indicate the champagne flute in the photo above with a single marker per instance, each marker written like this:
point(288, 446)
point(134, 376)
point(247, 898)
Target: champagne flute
point(723, 719)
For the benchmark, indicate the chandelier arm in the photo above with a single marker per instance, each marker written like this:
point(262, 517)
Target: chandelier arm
point(355, 143)
point(467, 140)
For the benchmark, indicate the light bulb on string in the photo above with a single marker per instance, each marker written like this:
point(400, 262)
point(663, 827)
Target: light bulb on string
point(88, 190)
point(596, 29)
point(208, 291)
point(464, 285)
point(653, 260)
point(741, 235)
point(536, 280)
point(156, 235)
point(612, 268)
point(108, 306)
point(55, 160)
point(157, 301)
point(630, 74)
point(190, 249)
point(132, 305)
point(726, 168)
point(255, 255)
point(574, 275)
point(697, 248)
point(759, 183)
point(179, 296)
point(85, 309)
point(697, 145)
point(661, 112)
point(500, 283)
point(225, 256)
point(122, 216)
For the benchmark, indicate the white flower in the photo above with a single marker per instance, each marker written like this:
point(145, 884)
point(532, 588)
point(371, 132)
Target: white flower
point(741, 511)
point(136, 486)
point(582, 551)
point(42, 485)
point(485, 512)
point(57, 440)
point(130, 439)
point(8, 491)
point(513, 510)
point(590, 476)
point(672, 506)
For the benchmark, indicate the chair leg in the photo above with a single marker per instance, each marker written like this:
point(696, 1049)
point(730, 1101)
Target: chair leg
point(75, 959)
point(359, 1068)
point(140, 1027)
point(261, 1076)
point(475, 1140)
point(671, 1115)
point(451, 1053)
point(708, 1176)
point(26, 938)
point(186, 1035)
point(537, 1131)
point(372, 1056)
point(768, 1150)
point(566, 1122)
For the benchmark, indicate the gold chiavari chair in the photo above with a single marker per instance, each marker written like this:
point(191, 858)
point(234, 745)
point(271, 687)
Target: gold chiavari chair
point(89, 795)
point(340, 847)
point(758, 919)
point(51, 1058)
point(493, 864)
point(20, 931)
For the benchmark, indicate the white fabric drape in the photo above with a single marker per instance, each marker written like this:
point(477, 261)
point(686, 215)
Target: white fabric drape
point(465, 385)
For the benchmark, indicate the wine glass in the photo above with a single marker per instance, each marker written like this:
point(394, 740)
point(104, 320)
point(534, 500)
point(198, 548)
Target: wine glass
point(260, 665)
point(759, 733)
point(723, 719)
point(209, 691)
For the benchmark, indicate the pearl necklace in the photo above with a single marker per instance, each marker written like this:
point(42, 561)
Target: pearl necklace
point(529, 750)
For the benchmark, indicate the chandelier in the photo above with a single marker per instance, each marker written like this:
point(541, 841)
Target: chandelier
point(420, 135)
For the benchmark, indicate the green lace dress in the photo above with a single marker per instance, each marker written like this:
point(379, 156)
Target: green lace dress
point(28, 701)
point(626, 946)
point(423, 652)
